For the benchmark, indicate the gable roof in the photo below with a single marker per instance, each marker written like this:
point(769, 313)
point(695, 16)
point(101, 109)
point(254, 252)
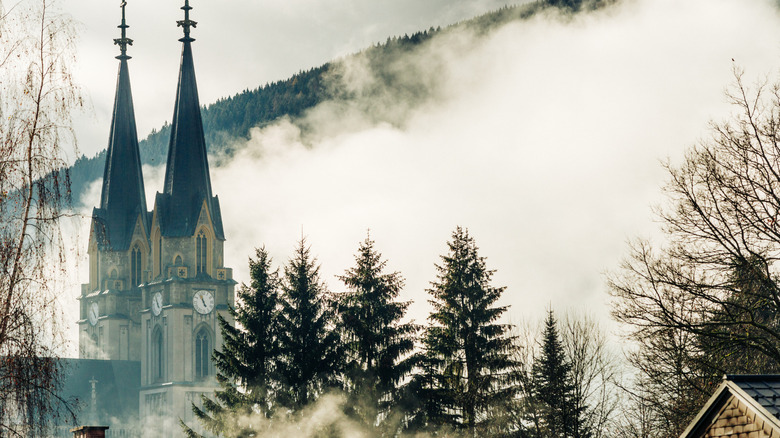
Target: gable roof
point(759, 393)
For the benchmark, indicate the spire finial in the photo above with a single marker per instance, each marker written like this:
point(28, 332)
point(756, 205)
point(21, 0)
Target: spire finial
point(186, 24)
point(124, 41)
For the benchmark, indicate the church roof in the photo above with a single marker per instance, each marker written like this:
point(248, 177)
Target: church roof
point(187, 180)
point(123, 198)
point(117, 388)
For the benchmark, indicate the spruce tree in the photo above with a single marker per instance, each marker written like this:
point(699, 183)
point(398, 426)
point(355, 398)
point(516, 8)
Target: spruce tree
point(245, 364)
point(378, 346)
point(310, 352)
point(553, 387)
point(469, 352)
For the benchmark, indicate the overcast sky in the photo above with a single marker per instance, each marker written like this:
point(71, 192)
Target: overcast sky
point(241, 44)
point(545, 139)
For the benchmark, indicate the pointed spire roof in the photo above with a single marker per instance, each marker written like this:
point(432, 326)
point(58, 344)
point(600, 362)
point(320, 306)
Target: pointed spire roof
point(187, 179)
point(123, 198)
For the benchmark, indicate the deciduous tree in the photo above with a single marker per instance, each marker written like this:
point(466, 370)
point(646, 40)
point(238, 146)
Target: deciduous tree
point(37, 97)
point(706, 301)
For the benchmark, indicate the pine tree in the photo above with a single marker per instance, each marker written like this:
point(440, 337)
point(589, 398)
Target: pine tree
point(469, 352)
point(378, 345)
point(553, 387)
point(245, 364)
point(310, 358)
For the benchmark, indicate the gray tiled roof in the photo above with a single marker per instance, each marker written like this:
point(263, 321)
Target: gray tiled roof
point(118, 383)
point(763, 388)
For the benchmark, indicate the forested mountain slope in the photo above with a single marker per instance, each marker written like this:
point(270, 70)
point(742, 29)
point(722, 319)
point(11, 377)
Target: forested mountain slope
point(227, 122)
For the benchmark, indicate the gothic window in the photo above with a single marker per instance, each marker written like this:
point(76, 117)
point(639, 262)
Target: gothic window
point(159, 254)
point(201, 245)
point(178, 261)
point(202, 353)
point(158, 356)
point(135, 266)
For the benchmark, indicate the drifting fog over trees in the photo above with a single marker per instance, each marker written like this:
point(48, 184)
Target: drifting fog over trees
point(701, 303)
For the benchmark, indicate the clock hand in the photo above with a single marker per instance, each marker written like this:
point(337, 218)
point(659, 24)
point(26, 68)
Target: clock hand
point(202, 300)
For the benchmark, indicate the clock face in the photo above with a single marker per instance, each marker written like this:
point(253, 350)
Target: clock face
point(157, 303)
point(92, 313)
point(203, 301)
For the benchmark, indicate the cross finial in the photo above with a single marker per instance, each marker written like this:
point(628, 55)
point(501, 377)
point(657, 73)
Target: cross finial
point(124, 41)
point(186, 24)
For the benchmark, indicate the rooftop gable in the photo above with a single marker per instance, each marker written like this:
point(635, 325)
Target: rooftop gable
point(741, 404)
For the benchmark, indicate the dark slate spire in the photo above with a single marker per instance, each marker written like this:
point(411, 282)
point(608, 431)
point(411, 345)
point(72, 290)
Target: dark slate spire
point(187, 180)
point(122, 199)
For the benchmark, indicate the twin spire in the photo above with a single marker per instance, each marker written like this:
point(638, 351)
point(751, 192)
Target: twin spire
point(187, 180)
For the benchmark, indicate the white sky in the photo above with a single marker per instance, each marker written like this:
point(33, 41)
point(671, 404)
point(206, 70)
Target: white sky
point(240, 44)
point(545, 140)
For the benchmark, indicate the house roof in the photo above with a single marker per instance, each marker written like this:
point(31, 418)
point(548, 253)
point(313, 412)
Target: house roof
point(760, 393)
point(117, 387)
point(763, 388)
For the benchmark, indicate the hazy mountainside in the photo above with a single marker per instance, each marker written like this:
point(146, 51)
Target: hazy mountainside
point(228, 121)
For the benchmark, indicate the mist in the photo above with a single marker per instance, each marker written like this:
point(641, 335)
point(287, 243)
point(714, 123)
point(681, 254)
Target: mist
point(544, 138)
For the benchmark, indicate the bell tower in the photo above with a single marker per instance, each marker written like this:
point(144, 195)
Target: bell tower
point(189, 285)
point(119, 245)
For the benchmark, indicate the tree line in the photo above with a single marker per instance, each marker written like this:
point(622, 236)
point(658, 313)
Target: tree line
point(698, 304)
point(464, 372)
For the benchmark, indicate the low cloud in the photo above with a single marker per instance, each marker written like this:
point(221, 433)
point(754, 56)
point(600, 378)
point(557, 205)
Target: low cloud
point(544, 138)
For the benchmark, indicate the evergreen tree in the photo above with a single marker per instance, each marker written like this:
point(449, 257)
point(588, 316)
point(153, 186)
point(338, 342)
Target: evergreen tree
point(468, 352)
point(378, 345)
point(553, 388)
point(310, 358)
point(245, 365)
point(568, 4)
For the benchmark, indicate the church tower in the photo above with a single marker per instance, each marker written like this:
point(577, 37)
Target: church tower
point(189, 285)
point(119, 245)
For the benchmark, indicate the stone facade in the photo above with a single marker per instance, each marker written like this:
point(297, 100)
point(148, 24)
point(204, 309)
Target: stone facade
point(157, 283)
point(172, 360)
point(116, 332)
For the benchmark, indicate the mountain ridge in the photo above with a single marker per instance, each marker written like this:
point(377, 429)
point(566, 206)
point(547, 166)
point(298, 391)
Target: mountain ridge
point(230, 119)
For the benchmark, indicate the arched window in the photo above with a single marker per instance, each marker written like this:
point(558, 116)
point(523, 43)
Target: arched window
point(177, 261)
point(135, 266)
point(158, 356)
point(202, 353)
point(201, 245)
